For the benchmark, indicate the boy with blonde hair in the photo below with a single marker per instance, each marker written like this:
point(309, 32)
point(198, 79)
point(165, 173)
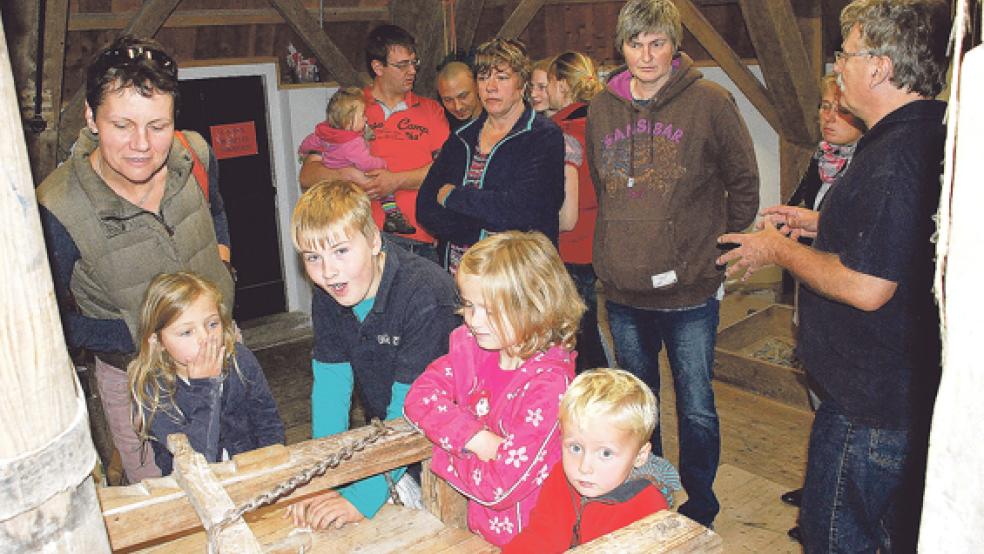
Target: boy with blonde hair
point(380, 315)
point(608, 477)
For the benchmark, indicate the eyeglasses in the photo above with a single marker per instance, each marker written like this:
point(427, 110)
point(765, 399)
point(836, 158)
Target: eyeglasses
point(405, 64)
point(841, 57)
point(827, 107)
point(136, 54)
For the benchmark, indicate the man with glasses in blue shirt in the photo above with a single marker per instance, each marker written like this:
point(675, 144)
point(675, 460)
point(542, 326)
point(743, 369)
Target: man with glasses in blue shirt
point(869, 332)
point(408, 132)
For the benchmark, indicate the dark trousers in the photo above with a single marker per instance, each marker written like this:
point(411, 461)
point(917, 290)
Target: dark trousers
point(590, 351)
point(863, 486)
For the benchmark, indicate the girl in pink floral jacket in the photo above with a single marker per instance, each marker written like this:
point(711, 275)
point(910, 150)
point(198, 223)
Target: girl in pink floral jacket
point(490, 405)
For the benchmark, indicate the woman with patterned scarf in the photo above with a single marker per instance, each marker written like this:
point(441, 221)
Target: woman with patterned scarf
point(841, 131)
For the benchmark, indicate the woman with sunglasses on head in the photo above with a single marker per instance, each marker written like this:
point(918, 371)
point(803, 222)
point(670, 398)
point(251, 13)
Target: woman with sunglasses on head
point(131, 202)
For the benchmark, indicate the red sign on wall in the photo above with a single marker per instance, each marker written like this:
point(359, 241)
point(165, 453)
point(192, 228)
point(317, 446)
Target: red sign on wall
point(233, 140)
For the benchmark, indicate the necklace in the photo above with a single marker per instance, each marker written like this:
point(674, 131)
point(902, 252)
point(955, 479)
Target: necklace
point(150, 189)
point(98, 167)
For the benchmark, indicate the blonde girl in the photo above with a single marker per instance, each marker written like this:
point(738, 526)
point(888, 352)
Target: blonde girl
point(538, 87)
point(190, 376)
point(490, 405)
point(572, 81)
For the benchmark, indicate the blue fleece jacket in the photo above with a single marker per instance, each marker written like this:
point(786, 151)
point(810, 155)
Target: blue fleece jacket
point(521, 188)
point(234, 412)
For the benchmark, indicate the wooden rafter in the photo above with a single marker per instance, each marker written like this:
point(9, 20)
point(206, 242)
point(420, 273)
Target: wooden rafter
point(300, 21)
point(146, 22)
point(520, 18)
point(206, 18)
point(785, 65)
point(718, 48)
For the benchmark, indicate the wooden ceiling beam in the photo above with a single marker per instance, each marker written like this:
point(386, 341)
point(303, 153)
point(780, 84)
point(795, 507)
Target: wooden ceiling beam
point(782, 55)
point(223, 17)
point(145, 23)
point(300, 21)
point(718, 48)
point(520, 18)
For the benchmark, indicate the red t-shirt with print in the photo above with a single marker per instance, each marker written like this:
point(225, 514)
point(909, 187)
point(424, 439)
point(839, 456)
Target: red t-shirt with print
point(408, 139)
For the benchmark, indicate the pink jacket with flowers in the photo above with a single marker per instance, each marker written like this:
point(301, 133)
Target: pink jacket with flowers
point(501, 492)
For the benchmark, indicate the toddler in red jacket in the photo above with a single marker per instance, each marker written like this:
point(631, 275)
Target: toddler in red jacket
point(607, 477)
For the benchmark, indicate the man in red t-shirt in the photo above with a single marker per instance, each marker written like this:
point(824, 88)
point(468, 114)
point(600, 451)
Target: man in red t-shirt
point(409, 131)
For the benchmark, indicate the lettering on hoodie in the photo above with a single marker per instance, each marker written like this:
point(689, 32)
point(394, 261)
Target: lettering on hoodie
point(659, 129)
point(647, 164)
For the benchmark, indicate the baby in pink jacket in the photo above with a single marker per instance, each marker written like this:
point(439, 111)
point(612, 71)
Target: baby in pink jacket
point(340, 140)
point(490, 405)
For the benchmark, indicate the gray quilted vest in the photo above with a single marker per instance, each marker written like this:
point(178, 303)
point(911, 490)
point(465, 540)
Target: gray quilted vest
point(122, 246)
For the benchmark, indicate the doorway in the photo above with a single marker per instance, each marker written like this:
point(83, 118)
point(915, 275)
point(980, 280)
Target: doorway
point(246, 184)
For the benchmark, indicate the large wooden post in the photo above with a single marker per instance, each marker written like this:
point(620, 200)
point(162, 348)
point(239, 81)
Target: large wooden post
point(47, 497)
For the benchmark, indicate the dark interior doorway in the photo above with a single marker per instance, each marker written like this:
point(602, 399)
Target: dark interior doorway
point(246, 184)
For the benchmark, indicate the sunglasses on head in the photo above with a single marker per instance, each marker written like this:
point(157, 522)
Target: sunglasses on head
point(133, 54)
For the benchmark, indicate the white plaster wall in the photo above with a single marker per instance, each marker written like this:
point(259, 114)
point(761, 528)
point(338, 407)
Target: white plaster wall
point(764, 138)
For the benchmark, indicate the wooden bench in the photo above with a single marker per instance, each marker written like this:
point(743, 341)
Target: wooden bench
point(158, 515)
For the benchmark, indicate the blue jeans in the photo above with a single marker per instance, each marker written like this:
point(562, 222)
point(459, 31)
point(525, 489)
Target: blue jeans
point(689, 336)
point(590, 352)
point(854, 474)
point(422, 249)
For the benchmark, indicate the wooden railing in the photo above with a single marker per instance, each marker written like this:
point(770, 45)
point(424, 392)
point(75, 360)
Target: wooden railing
point(156, 511)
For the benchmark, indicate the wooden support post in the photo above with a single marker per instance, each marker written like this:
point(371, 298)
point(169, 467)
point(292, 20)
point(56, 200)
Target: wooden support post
point(520, 18)
point(466, 16)
point(47, 497)
point(145, 23)
point(423, 19)
point(794, 159)
point(44, 145)
point(209, 499)
point(787, 69)
point(325, 50)
point(440, 499)
point(718, 48)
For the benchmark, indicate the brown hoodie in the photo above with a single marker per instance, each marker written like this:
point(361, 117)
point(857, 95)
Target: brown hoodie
point(671, 176)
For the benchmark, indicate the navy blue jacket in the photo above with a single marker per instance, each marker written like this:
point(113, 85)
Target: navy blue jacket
point(234, 412)
point(407, 328)
point(880, 368)
point(521, 189)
